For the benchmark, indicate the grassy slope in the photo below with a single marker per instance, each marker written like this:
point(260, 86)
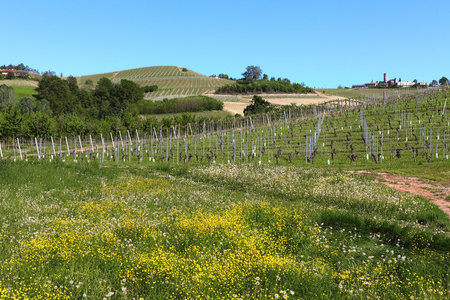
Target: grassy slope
point(24, 91)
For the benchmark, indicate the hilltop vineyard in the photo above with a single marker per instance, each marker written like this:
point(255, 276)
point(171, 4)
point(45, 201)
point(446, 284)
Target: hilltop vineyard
point(172, 81)
point(412, 128)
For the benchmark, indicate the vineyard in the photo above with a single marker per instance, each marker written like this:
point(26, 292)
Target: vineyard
point(172, 81)
point(408, 129)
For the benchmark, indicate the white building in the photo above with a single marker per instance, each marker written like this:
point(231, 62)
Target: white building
point(405, 83)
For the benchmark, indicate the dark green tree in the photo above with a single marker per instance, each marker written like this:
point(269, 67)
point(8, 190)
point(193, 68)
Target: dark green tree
point(257, 106)
point(252, 73)
point(12, 122)
point(57, 93)
point(27, 105)
point(443, 81)
point(8, 97)
point(40, 125)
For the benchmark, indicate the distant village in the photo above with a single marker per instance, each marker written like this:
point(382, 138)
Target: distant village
point(391, 83)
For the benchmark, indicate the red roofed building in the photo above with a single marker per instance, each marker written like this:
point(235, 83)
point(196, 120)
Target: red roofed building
point(16, 73)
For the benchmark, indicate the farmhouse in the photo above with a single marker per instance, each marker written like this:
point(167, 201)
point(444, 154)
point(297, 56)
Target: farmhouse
point(16, 73)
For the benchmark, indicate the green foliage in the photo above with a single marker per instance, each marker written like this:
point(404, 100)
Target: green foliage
point(263, 86)
point(40, 125)
point(27, 105)
point(252, 73)
point(258, 106)
point(72, 125)
point(11, 124)
point(57, 92)
point(149, 88)
point(8, 97)
point(177, 105)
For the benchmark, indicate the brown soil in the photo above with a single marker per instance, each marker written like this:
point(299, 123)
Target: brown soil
point(280, 99)
point(435, 192)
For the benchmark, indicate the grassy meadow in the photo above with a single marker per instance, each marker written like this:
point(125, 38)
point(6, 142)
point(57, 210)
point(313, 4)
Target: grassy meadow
point(24, 91)
point(86, 231)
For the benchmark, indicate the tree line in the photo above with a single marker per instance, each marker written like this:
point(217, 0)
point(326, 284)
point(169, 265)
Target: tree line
point(255, 82)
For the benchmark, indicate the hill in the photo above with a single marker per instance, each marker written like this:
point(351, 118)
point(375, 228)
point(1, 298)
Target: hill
point(172, 81)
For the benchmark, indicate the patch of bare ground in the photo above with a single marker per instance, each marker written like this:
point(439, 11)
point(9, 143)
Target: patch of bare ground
point(435, 192)
point(278, 99)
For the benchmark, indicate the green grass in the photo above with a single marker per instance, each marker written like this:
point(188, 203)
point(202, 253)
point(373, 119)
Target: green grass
point(25, 91)
point(81, 230)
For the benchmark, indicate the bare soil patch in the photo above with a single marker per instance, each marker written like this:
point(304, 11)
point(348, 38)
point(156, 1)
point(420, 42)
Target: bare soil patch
point(278, 99)
point(435, 192)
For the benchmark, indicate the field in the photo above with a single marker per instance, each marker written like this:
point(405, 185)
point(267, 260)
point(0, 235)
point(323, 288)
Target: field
point(244, 208)
point(172, 82)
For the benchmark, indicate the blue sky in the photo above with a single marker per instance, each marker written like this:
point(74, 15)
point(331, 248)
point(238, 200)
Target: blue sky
point(320, 43)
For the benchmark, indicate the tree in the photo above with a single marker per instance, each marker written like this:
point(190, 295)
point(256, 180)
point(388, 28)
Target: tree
point(252, 73)
point(27, 105)
point(265, 77)
point(57, 92)
point(7, 97)
point(258, 105)
point(434, 83)
point(12, 122)
point(443, 81)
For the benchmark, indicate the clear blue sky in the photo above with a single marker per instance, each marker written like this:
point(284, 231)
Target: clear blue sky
point(320, 43)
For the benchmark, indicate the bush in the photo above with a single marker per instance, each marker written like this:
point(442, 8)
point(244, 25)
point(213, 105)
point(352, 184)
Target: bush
point(149, 88)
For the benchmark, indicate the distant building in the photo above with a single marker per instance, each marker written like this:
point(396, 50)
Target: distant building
point(405, 84)
point(391, 82)
point(17, 73)
point(365, 85)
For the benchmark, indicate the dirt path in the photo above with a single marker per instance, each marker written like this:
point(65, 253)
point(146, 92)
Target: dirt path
point(433, 191)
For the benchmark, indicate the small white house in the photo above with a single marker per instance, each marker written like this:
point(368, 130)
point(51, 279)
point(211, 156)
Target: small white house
point(405, 83)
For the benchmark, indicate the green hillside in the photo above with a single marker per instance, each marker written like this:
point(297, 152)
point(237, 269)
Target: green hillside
point(172, 81)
